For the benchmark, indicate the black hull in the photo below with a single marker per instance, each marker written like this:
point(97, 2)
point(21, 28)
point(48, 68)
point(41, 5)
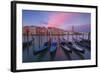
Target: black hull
point(83, 45)
point(38, 52)
point(46, 46)
point(73, 48)
point(52, 55)
point(65, 50)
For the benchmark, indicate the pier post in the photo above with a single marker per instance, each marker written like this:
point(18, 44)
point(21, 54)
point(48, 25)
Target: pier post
point(77, 36)
point(33, 42)
point(67, 36)
point(89, 36)
point(72, 32)
point(27, 34)
point(83, 35)
point(39, 37)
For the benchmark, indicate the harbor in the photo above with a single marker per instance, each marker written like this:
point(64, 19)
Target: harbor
point(42, 44)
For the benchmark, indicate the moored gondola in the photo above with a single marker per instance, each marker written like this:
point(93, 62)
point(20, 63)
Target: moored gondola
point(65, 47)
point(83, 44)
point(77, 48)
point(27, 44)
point(52, 49)
point(43, 48)
point(73, 47)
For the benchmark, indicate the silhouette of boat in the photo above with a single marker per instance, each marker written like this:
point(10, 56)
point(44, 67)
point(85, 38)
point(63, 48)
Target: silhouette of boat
point(53, 48)
point(27, 44)
point(43, 48)
point(65, 47)
point(74, 47)
point(86, 42)
point(77, 48)
point(83, 43)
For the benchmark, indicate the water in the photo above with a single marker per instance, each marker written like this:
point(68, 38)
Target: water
point(60, 54)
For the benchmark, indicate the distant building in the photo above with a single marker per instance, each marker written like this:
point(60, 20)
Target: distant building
point(34, 30)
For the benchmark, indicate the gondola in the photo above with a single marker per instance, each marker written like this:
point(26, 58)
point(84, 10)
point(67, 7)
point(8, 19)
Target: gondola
point(65, 47)
point(24, 45)
point(52, 49)
point(74, 47)
point(27, 44)
point(82, 44)
point(43, 48)
point(86, 42)
point(88, 45)
point(78, 48)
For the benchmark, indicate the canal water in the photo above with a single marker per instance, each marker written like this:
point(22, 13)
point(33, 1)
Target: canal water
point(37, 42)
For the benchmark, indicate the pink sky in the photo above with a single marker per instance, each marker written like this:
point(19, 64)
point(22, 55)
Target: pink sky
point(55, 20)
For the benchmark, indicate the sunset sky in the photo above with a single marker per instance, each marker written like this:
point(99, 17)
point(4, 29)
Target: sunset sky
point(63, 20)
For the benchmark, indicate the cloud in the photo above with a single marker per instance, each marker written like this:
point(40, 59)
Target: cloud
point(57, 19)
